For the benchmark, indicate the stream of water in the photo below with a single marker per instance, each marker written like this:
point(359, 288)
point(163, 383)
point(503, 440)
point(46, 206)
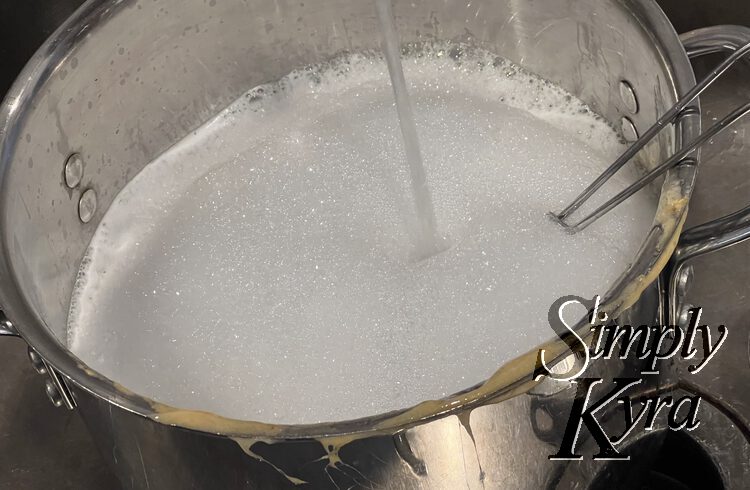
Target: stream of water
point(428, 241)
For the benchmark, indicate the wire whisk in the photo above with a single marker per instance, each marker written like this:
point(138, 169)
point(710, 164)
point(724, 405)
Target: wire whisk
point(682, 157)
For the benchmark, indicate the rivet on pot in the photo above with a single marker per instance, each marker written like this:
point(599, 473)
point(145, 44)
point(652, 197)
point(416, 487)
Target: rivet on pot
point(6, 327)
point(53, 393)
point(543, 420)
point(549, 386)
point(627, 94)
point(628, 129)
point(37, 362)
point(87, 205)
point(684, 317)
point(73, 170)
point(684, 280)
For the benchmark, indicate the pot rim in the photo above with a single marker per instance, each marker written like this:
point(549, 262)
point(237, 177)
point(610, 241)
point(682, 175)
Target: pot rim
point(511, 379)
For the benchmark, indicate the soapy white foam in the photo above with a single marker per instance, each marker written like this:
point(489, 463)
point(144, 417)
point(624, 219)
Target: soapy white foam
point(262, 268)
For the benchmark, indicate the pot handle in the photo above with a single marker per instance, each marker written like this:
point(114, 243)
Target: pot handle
point(55, 385)
point(722, 232)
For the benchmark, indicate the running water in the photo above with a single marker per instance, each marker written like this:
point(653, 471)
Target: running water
point(428, 241)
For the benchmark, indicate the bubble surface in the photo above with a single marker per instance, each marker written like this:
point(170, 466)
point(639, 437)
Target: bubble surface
point(263, 267)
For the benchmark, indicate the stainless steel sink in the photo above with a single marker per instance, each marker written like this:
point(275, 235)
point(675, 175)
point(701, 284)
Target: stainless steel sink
point(41, 447)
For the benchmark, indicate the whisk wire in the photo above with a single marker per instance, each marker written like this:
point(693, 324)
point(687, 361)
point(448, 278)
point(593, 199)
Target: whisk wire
point(680, 110)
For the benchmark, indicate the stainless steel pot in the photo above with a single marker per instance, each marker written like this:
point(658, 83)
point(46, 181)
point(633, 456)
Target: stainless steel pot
point(123, 80)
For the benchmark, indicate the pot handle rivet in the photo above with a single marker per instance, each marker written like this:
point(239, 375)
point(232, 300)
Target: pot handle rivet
point(53, 393)
point(628, 97)
point(73, 170)
point(36, 361)
point(87, 206)
point(629, 132)
point(6, 327)
point(684, 279)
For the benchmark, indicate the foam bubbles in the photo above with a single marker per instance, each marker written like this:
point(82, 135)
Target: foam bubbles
point(262, 267)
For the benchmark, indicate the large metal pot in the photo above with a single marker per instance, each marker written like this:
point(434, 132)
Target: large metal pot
point(123, 80)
